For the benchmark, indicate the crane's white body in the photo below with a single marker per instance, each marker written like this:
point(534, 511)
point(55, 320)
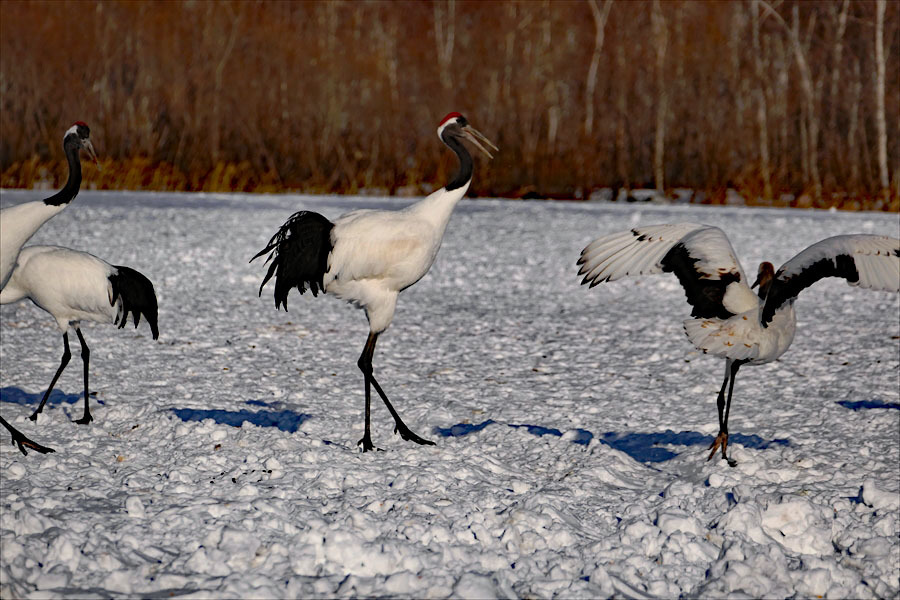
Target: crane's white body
point(17, 225)
point(742, 336)
point(75, 286)
point(377, 254)
point(72, 286)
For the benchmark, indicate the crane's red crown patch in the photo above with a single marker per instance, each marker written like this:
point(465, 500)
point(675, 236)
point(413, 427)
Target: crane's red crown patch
point(452, 115)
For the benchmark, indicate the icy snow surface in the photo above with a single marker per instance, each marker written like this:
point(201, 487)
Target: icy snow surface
point(571, 424)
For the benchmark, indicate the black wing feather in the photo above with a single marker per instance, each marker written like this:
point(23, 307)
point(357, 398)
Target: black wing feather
point(704, 295)
point(137, 295)
point(299, 255)
point(786, 288)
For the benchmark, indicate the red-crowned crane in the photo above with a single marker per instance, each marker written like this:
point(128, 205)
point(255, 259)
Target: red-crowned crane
point(18, 223)
point(367, 257)
point(75, 286)
point(729, 320)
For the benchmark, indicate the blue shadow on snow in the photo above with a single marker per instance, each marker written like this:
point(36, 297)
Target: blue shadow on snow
point(861, 404)
point(14, 395)
point(642, 447)
point(285, 420)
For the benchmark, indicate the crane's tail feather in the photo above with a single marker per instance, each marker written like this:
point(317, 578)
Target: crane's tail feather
point(299, 255)
point(268, 276)
point(272, 244)
point(728, 338)
point(135, 295)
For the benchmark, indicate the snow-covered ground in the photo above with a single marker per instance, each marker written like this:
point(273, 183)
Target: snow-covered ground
point(571, 424)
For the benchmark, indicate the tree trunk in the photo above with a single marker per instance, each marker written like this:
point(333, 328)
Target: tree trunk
point(852, 136)
point(622, 159)
point(660, 36)
point(761, 108)
point(880, 120)
point(833, 95)
point(218, 82)
point(600, 16)
point(444, 37)
point(809, 94)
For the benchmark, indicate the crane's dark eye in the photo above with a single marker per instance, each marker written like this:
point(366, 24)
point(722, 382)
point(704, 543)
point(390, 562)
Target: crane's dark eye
point(461, 121)
point(84, 131)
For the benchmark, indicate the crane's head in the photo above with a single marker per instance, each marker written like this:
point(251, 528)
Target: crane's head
point(454, 125)
point(79, 134)
point(764, 278)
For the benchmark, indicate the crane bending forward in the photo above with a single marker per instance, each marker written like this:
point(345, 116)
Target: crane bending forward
point(729, 320)
point(367, 257)
point(18, 223)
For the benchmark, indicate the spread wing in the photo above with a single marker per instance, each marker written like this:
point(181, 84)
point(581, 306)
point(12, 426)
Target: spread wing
point(868, 261)
point(699, 255)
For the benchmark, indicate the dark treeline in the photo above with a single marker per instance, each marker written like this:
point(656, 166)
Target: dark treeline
point(769, 98)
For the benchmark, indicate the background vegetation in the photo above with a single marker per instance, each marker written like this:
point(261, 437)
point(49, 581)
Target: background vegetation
point(766, 98)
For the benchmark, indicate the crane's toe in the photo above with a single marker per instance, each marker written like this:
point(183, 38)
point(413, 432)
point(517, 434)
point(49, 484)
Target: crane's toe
point(84, 420)
point(366, 443)
point(34, 446)
point(407, 434)
point(721, 440)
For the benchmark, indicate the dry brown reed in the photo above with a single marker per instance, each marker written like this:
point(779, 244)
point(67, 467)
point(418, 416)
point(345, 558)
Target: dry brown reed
point(344, 96)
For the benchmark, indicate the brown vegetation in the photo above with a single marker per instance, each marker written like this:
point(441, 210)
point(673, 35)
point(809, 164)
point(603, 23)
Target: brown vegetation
point(767, 98)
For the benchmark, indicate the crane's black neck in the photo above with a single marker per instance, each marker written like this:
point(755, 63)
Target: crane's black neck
point(68, 193)
point(464, 175)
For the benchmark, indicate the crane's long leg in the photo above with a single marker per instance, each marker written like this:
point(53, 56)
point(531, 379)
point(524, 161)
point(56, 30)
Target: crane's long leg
point(62, 365)
point(365, 365)
point(724, 406)
point(85, 358)
point(19, 439)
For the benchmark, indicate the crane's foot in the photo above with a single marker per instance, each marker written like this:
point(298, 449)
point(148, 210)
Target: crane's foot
point(366, 443)
point(19, 439)
point(34, 415)
point(721, 440)
point(27, 443)
point(407, 434)
point(87, 418)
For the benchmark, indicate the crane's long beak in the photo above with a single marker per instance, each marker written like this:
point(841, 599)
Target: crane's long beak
point(476, 137)
point(755, 283)
point(90, 149)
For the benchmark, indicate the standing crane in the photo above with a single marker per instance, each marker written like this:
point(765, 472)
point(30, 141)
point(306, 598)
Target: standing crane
point(729, 320)
point(75, 286)
point(367, 257)
point(18, 223)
